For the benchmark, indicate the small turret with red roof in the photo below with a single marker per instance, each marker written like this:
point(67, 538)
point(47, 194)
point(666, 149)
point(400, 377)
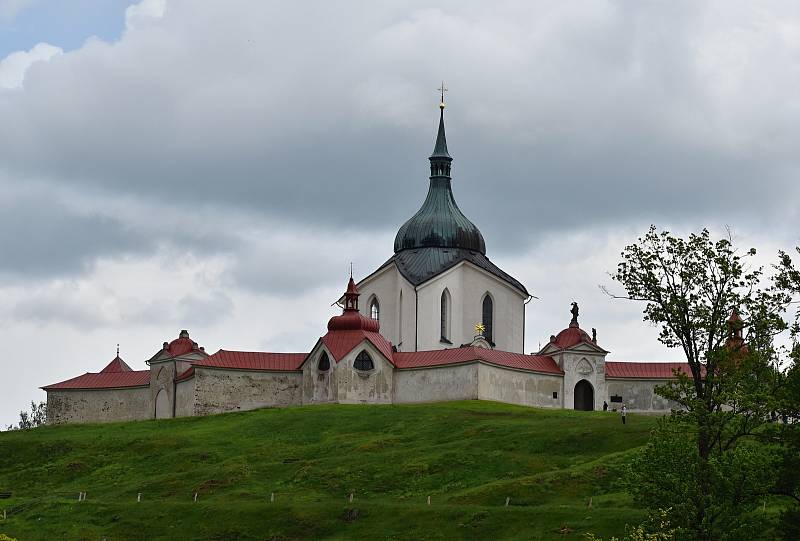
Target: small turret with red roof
point(351, 319)
point(735, 340)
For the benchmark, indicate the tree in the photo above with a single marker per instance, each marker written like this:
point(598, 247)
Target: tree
point(707, 301)
point(32, 419)
point(788, 485)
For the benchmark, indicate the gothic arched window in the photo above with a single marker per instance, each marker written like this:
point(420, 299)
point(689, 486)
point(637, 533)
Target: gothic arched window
point(374, 308)
point(444, 322)
point(324, 362)
point(488, 318)
point(364, 361)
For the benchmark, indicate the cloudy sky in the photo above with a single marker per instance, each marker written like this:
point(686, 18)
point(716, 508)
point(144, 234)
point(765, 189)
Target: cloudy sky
point(216, 166)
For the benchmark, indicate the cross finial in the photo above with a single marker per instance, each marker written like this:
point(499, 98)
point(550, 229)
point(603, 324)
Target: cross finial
point(117, 350)
point(442, 89)
point(351, 269)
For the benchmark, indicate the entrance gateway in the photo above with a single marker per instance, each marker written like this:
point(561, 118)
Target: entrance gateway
point(584, 396)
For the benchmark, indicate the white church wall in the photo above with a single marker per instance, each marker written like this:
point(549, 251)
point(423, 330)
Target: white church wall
point(218, 391)
point(364, 387)
point(638, 395)
point(518, 387)
point(319, 385)
point(386, 287)
point(580, 365)
point(184, 398)
point(429, 335)
point(509, 308)
point(436, 384)
point(162, 375)
point(98, 405)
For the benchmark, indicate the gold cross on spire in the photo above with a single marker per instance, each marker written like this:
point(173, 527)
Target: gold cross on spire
point(442, 89)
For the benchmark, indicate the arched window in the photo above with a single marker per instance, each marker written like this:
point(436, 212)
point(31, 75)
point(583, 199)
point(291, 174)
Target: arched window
point(488, 318)
point(400, 321)
point(374, 308)
point(444, 322)
point(324, 362)
point(364, 361)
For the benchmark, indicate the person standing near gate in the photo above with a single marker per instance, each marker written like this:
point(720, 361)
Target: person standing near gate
point(624, 412)
point(605, 405)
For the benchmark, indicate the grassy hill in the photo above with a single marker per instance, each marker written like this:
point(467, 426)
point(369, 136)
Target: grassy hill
point(467, 456)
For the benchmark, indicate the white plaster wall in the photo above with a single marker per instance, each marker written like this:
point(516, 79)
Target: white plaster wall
point(357, 387)
point(98, 406)
point(184, 398)
point(518, 387)
point(468, 285)
point(430, 305)
point(319, 386)
point(436, 384)
point(638, 395)
point(570, 361)
point(218, 391)
point(386, 286)
point(162, 377)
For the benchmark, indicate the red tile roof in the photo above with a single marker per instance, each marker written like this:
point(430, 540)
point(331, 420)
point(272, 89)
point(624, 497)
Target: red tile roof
point(104, 380)
point(340, 343)
point(615, 369)
point(572, 336)
point(421, 359)
point(253, 360)
point(116, 365)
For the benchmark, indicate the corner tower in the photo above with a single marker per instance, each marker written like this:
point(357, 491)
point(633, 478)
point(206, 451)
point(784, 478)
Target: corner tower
point(439, 284)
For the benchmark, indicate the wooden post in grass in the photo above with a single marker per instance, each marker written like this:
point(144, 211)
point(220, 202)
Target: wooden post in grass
point(139, 497)
point(4, 514)
point(272, 497)
point(195, 496)
point(429, 500)
point(590, 502)
point(351, 497)
point(507, 500)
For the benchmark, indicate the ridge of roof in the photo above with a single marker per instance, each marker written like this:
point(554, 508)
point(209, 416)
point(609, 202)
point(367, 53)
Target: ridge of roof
point(340, 343)
point(645, 370)
point(252, 360)
point(103, 380)
point(443, 357)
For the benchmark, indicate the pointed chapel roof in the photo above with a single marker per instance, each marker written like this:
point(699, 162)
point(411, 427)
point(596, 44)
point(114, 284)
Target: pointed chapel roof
point(116, 365)
point(440, 149)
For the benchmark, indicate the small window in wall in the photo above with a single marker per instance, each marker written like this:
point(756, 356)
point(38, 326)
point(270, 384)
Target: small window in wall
point(324, 362)
point(444, 322)
point(364, 362)
point(488, 318)
point(374, 309)
point(616, 398)
point(555, 394)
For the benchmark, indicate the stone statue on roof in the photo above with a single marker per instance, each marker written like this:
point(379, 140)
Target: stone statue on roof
point(574, 312)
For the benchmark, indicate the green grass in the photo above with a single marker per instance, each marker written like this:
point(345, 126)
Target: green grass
point(467, 456)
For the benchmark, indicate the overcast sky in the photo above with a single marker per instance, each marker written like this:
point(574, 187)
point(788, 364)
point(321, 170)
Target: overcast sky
point(216, 166)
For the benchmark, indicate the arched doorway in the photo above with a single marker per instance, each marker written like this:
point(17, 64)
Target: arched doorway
point(162, 405)
point(584, 396)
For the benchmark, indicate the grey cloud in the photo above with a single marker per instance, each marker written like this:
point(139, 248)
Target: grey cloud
point(203, 310)
point(41, 238)
point(559, 116)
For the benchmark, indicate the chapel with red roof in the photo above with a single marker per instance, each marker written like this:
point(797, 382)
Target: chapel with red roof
point(438, 321)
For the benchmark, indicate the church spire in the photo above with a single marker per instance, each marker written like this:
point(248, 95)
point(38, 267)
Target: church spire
point(440, 159)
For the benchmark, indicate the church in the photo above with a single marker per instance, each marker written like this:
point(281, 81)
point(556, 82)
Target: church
point(437, 321)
